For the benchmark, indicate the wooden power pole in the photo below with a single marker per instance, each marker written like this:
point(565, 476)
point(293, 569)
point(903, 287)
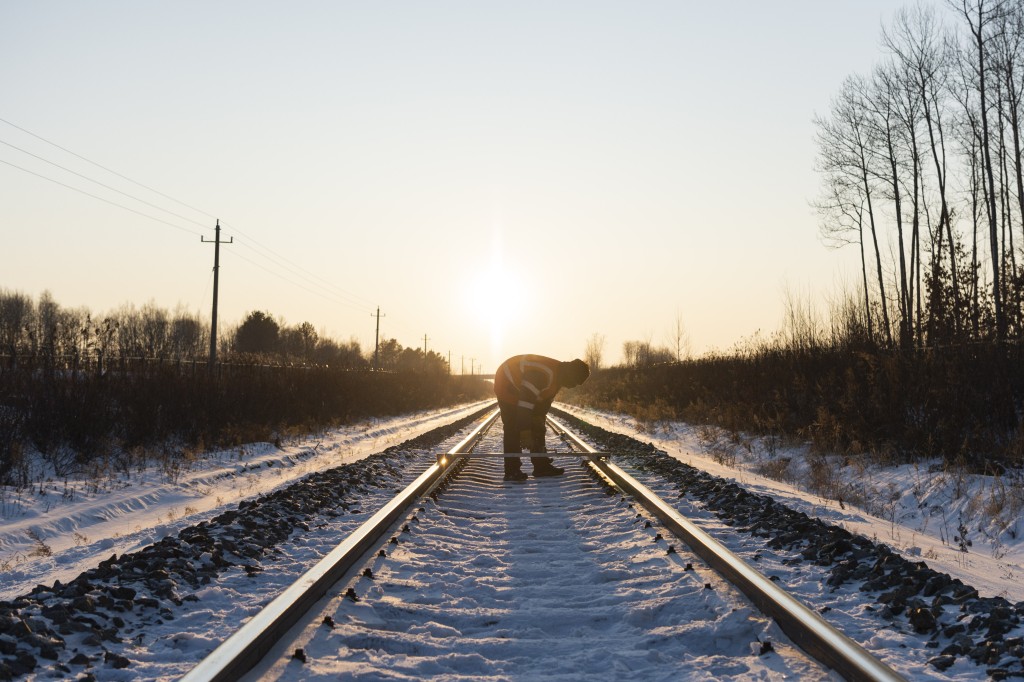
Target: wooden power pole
point(376, 338)
point(216, 275)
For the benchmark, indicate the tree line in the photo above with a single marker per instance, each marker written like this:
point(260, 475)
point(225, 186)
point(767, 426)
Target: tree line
point(89, 392)
point(44, 333)
point(921, 170)
point(921, 166)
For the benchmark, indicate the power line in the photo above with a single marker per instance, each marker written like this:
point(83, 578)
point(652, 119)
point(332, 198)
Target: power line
point(112, 189)
point(308, 276)
point(270, 257)
point(329, 296)
point(296, 284)
point(295, 266)
point(94, 196)
point(298, 270)
point(333, 291)
point(112, 172)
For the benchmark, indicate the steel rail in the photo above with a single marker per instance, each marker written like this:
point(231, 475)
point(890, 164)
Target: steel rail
point(804, 627)
point(240, 652)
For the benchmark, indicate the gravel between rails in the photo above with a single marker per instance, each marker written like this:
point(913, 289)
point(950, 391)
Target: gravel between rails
point(552, 578)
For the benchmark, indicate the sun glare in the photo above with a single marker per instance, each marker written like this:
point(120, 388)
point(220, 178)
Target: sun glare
point(496, 297)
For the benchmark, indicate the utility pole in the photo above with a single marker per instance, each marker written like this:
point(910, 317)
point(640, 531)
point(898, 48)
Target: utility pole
point(472, 366)
point(376, 339)
point(216, 276)
point(449, 363)
point(462, 372)
point(424, 351)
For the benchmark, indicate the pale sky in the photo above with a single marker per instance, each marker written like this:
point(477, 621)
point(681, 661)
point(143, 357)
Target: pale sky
point(500, 177)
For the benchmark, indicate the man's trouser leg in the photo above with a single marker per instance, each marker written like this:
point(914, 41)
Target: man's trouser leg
point(538, 429)
point(510, 439)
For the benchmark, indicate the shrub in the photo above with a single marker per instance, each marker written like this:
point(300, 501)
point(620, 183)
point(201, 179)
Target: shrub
point(961, 403)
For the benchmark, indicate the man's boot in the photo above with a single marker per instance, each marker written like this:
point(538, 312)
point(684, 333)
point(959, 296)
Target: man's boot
point(514, 470)
point(542, 466)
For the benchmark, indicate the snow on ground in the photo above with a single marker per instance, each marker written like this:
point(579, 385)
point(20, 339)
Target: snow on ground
point(61, 527)
point(924, 511)
point(916, 510)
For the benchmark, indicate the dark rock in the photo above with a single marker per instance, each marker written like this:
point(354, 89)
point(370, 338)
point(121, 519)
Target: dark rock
point(84, 603)
point(922, 620)
point(80, 659)
point(22, 664)
point(942, 662)
point(116, 660)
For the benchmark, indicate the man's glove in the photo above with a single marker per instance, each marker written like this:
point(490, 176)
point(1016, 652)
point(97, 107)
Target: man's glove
point(526, 440)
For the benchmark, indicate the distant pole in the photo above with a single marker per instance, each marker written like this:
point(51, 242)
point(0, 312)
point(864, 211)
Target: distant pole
point(376, 339)
point(472, 366)
point(216, 277)
point(449, 363)
point(462, 372)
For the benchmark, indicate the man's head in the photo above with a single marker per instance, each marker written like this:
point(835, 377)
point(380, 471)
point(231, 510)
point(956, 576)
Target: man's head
point(572, 374)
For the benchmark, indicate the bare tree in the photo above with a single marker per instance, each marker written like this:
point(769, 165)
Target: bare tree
point(46, 324)
point(679, 338)
point(919, 42)
point(631, 354)
point(982, 17)
point(1008, 67)
point(187, 335)
point(846, 155)
point(842, 224)
point(594, 352)
point(154, 327)
point(130, 343)
point(299, 341)
point(16, 310)
point(887, 126)
point(642, 354)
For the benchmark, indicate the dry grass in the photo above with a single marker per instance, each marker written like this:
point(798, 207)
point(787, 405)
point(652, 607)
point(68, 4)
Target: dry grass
point(776, 469)
point(957, 401)
point(718, 443)
point(39, 548)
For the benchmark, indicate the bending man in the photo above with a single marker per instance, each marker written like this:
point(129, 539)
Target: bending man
point(525, 386)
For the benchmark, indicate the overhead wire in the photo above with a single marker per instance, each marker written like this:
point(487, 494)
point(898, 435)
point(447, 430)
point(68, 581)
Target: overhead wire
point(262, 250)
point(267, 253)
point(292, 282)
point(105, 186)
point(95, 196)
point(112, 172)
point(333, 293)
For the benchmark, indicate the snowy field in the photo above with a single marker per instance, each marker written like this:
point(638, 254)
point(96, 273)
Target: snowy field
point(61, 527)
point(919, 510)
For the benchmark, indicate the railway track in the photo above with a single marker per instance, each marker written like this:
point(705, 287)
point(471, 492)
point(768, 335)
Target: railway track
point(548, 578)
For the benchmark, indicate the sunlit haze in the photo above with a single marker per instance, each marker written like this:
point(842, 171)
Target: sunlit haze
point(499, 178)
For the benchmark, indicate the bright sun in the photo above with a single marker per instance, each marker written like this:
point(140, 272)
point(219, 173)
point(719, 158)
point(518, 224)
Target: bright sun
point(496, 297)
